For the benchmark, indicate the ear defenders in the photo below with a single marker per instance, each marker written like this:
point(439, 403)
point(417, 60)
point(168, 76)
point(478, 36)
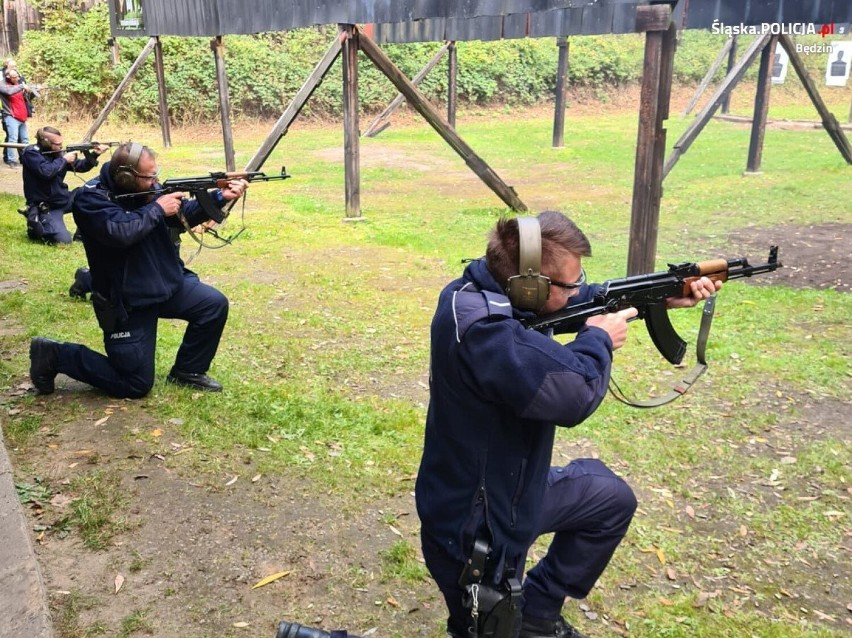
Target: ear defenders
point(529, 290)
point(125, 176)
point(44, 144)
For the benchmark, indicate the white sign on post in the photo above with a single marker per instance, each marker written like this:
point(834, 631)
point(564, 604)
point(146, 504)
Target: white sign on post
point(779, 64)
point(839, 62)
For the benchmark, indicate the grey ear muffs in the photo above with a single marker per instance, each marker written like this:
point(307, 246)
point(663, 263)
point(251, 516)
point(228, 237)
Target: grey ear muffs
point(529, 290)
point(125, 176)
point(44, 144)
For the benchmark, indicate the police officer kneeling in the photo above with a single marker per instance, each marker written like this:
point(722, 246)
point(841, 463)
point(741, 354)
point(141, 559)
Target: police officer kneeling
point(137, 277)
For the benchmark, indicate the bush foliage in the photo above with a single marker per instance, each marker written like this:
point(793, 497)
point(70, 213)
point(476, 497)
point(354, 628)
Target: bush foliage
point(71, 54)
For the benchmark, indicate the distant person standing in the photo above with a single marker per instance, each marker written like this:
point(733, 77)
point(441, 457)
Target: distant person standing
point(13, 94)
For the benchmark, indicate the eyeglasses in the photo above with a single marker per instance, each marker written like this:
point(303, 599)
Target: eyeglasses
point(576, 285)
point(143, 176)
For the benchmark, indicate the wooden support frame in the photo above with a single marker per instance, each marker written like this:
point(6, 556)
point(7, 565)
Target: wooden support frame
point(700, 121)
point(829, 122)
point(381, 122)
point(120, 89)
point(711, 73)
point(761, 108)
point(351, 143)
point(732, 60)
point(660, 42)
point(453, 82)
point(441, 126)
point(161, 92)
point(218, 48)
point(561, 91)
point(296, 105)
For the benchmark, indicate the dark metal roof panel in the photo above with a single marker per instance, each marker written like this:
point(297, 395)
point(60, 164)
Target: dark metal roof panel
point(221, 17)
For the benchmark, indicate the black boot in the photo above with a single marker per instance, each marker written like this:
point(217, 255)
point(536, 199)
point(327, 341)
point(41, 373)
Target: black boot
point(541, 628)
point(80, 286)
point(44, 363)
point(197, 380)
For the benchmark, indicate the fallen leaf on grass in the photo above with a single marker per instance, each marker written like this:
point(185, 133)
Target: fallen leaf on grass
point(269, 579)
point(119, 581)
point(102, 421)
point(671, 574)
point(232, 480)
point(395, 530)
point(690, 511)
point(240, 625)
point(255, 478)
point(704, 596)
point(392, 601)
point(156, 432)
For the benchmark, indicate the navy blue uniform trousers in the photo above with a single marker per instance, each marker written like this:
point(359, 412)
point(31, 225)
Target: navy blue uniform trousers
point(589, 508)
point(127, 370)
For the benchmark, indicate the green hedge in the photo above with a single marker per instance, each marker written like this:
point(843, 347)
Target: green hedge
point(265, 71)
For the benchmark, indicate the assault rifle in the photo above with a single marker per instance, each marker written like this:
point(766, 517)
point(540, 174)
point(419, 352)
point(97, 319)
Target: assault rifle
point(199, 188)
point(87, 146)
point(648, 294)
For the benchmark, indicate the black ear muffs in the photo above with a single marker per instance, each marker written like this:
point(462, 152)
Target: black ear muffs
point(125, 176)
point(529, 290)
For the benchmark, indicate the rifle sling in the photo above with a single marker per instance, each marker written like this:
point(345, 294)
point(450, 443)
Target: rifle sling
point(680, 388)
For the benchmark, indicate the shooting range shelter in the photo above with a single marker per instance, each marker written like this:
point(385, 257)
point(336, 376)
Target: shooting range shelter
point(404, 21)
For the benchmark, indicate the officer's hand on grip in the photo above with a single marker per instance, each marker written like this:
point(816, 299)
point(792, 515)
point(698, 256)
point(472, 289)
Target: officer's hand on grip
point(615, 324)
point(170, 203)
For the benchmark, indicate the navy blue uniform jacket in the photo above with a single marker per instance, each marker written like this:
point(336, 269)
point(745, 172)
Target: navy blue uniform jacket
point(497, 392)
point(44, 177)
point(131, 254)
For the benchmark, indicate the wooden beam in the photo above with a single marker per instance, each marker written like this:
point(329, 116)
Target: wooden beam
point(120, 89)
point(113, 45)
point(711, 73)
point(351, 144)
point(830, 123)
point(161, 90)
point(650, 149)
point(224, 103)
point(561, 89)
point(732, 60)
point(700, 121)
point(441, 126)
point(761, 107)
point(453, 80)
point(296, 105)
point(376, 126)
point(655, 17)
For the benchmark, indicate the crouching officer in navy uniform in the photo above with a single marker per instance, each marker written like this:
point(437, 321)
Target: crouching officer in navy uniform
point(485, 489)
point(137, 277)
point(47, 195)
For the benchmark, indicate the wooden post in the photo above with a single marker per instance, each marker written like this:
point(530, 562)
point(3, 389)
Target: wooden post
point(441, 126)
point(351, 145)
point(711, 73)
point(561, 88)
point(660, 41)
point(700, 121)
point(119, 91)
point(112, 43)
point(296, 105)
point(761, 108)
point(829, 122)
point(452, 84)
point(224, 104)
point(732, 60)
point(380, 123)
point(161, 86)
